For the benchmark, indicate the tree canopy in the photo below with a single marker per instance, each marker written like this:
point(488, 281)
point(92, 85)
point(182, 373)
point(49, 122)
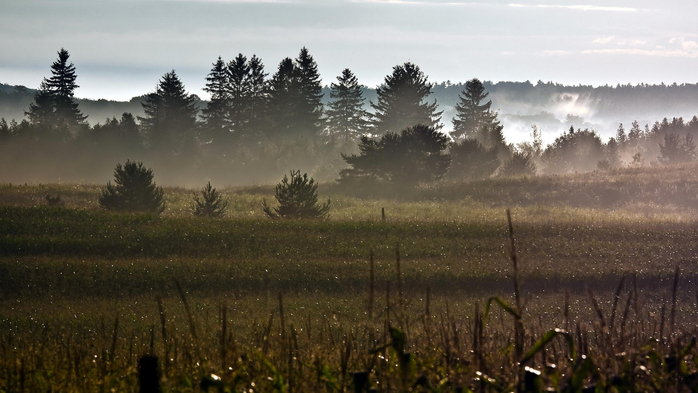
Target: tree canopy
point(402, 101)
point(472, 114)
point(414, 155)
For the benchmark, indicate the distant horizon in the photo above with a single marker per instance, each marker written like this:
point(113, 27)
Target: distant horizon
point(205, 97)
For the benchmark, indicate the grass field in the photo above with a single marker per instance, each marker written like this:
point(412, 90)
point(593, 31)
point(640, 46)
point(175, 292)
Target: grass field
point(286, 305)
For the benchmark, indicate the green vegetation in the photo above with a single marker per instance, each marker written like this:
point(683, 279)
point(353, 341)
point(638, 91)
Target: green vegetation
point(297, 198)
point(427, 298)
point(133, 190)
point(209, 203)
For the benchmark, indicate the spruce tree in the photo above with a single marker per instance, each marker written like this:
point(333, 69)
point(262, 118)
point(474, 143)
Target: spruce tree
point(402, 101)
point(345, 115)
point(239, 92)
point(133, 190)
point(216, 112)
point(471, 113)
point(257, 98)
point(62, 85)
point(283, 99)
point(309, 107)
point(170, 115)
point(41, 112)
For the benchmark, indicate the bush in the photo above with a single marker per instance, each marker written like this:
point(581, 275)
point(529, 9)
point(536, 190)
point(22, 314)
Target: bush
point(520, 164)
point(54, 201)
point(133, 191)
point(209, 203)
point(470, 160)
point(415, 155)
point(297, 199)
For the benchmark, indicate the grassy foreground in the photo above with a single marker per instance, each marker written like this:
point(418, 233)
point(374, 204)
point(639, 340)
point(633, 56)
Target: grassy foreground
point(249, 304)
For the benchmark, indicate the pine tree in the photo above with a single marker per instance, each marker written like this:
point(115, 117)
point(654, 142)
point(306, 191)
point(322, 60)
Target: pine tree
point(283, 99)
point(621, 138)
point(216, 112)
point(258, 96)
point(209, 203)
point(133, 191)
point(239, 92)
point(298, 198)
point(41, 112)
point(471, 113)
point(416, 154)
point(258, 87)
point(402, 101)
point(170, 115)
point(346, 116)
point(309, 107)
point(62, 85)
point(635, 133)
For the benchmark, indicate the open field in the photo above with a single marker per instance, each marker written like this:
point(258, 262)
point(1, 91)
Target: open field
point(286, 305)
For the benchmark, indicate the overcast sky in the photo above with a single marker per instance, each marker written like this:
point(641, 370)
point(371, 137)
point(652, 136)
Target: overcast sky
point(122, 47)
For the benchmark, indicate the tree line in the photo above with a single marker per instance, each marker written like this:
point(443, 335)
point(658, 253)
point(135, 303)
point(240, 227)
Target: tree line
point(256, 126)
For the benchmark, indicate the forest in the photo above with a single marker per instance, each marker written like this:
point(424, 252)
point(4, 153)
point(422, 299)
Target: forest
point(257, 126)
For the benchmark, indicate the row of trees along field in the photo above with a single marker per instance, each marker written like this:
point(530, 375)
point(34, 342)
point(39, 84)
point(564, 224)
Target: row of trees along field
point(257, 126)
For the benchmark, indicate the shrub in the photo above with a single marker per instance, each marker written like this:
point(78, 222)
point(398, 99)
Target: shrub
point(54, 201)
point(133, 191)
point(297, 199)
point(415, 155)
point(471, 160)
point(520, 164)
point(209, 203)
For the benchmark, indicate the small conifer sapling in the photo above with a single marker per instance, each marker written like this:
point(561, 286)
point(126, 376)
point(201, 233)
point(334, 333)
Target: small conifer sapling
point(298, 198)
point(209, 203)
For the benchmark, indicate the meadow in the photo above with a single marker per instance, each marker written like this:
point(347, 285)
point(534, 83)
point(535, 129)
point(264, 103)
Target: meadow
point(428, 299)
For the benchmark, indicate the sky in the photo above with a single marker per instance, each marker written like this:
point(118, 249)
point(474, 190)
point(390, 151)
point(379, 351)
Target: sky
point(122, 47)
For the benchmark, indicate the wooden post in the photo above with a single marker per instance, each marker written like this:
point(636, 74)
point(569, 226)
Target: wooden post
point(382, 214)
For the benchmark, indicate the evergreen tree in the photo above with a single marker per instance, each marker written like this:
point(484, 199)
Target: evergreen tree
point(309, 107)
point(416, 154)
point(402, 101)
point(283, 99)
point(346, 116)
point(239, 91)
point(62, 86)
point(471, 160)
point(298, 198)
point(258, 96)
point(635, 133)
point(133, 191)
point(41, 112)
point(209, 203)
point(170, 115)
point(471, 113)
point(216, 112)
point(621, 138)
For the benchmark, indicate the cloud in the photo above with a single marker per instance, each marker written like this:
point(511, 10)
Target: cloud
point(553, 53)
point(410, 2)
point(604, 40)
point(578, 7)
point(645, 52)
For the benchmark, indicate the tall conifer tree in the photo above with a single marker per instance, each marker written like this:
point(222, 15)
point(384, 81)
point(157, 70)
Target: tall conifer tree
point(345, 115)
point(258, 97)
point(216, 112)
point(62, 85)
point(239, 91)
point(283, 99)
point(402, 101)
point(471, 113)
point(170, 115)
point(309, 107)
